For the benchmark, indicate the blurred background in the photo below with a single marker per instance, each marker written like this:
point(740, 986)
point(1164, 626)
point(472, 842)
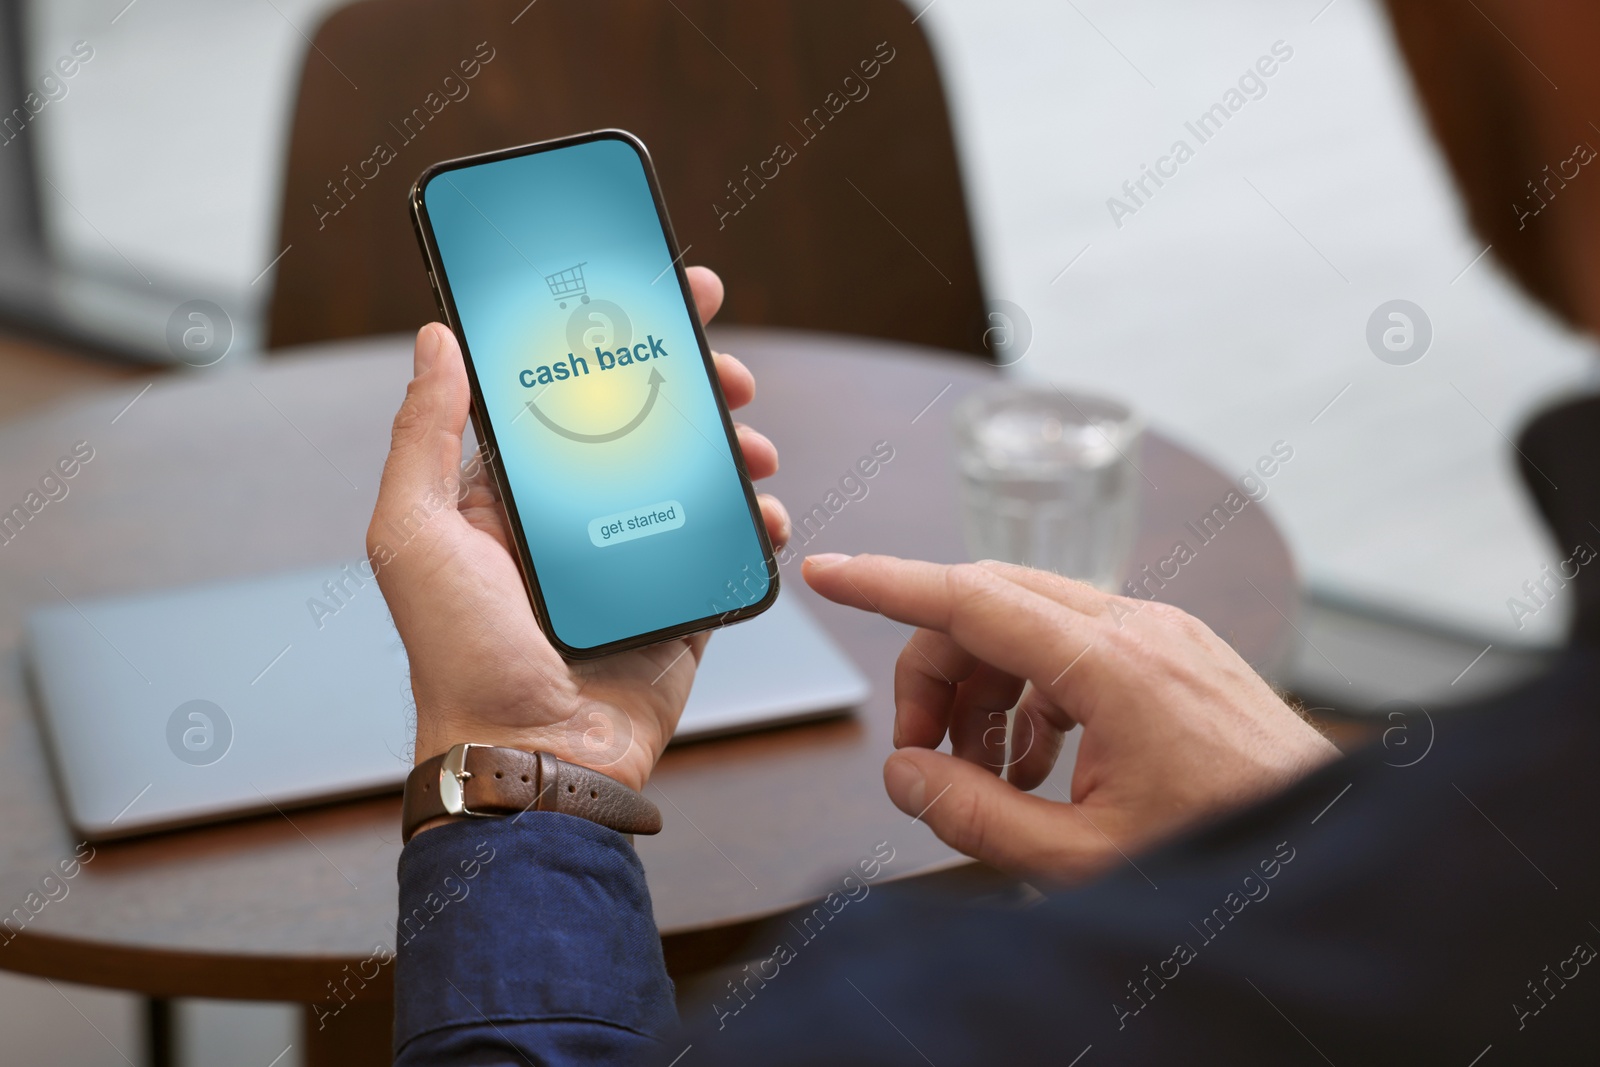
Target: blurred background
point(1230, 306)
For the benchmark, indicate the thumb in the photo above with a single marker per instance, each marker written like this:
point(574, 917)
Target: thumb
point(991, 820)
point(425, 447)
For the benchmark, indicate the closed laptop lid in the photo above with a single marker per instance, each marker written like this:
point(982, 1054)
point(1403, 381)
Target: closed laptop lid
point(170, 707)
point(183, 706)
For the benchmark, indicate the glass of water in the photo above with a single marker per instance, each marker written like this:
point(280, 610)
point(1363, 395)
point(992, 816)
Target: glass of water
point(1049, 479)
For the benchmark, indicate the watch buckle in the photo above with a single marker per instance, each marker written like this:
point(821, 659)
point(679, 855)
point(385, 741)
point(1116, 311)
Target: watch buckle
point(453, 775)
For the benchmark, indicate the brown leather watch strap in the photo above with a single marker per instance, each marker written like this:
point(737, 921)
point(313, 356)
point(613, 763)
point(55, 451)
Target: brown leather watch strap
point(489, 780)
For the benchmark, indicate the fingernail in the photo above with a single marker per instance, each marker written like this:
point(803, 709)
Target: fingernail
point(826, 559)
point(428, 345)
point(905, 784)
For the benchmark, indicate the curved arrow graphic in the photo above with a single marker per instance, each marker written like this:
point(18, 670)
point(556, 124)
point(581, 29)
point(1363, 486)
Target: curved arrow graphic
point(655, 383)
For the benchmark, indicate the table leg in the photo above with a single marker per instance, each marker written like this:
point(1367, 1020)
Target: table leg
point(160, 1033)
point(360, 1036)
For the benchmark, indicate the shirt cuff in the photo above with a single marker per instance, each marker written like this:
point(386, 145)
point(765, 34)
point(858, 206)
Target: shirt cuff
point(539, 917)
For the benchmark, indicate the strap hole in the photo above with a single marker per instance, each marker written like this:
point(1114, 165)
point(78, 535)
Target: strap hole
point(524, 777)
point(572, 789)
point(497, 774)
point(594, 795)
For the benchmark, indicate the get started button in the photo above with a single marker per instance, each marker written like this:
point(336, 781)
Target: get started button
point(635, 523)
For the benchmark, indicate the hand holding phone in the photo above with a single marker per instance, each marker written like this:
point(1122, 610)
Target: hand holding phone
point(628, 505)
point(482, 670)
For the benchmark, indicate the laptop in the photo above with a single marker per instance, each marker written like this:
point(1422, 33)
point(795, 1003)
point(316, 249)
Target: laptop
point(187, 706)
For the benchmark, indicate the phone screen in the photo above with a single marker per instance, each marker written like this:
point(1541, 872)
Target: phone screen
point(636, 518)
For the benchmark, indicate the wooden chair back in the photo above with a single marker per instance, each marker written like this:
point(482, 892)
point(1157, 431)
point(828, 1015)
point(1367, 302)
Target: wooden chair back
point(803, 146)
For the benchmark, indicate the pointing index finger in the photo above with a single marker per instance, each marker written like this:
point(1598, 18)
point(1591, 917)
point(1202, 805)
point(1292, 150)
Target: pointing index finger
point(997, 620)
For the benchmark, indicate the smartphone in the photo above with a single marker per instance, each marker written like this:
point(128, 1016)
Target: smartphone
point(594, 394)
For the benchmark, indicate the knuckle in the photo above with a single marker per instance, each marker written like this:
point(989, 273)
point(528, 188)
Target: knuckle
point(967, 575)
point(920, 664)
point(971, 583)
point(1165, 614)
point(1122, 609)
point(966, 821)
point(411, 421)
point(1185, 623)
point(1138, 643)
point(1169, 620)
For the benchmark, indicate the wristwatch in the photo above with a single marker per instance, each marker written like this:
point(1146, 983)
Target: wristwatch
point(487, 780)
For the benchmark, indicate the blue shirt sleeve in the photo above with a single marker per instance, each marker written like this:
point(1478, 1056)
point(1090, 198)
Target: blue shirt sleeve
point(527, 939)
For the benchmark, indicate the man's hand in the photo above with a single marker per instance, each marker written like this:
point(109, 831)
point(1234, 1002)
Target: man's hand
point(1176, 727)
point(481, 669)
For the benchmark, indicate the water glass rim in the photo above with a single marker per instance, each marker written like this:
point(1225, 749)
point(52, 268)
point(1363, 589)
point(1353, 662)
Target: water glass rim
point(1083, 406)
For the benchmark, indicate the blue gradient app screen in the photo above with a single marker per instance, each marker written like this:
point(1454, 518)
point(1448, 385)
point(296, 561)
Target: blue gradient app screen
point(601, 404)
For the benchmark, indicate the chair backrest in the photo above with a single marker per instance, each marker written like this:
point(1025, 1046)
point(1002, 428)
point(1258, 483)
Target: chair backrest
point(803, 146)
point(1509, 134)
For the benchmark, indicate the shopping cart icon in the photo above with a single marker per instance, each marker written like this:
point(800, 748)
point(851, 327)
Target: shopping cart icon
point(567, 284)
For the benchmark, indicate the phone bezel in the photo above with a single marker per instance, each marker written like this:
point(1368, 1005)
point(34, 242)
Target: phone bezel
point(485, 429)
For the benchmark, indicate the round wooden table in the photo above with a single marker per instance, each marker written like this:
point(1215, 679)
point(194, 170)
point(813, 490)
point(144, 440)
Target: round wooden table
point(249, 469)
